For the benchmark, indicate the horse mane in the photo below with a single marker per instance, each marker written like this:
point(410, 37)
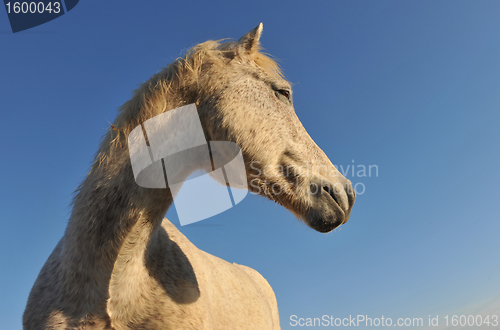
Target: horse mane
point(161, 92)
point(185, 71)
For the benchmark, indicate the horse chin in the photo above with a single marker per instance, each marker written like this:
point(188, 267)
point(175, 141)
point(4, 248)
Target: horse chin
point(324, 216)
point(325, 220)
point(321, 224)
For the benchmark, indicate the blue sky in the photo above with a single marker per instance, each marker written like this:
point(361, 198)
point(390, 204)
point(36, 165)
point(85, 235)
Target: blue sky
point(411, 87)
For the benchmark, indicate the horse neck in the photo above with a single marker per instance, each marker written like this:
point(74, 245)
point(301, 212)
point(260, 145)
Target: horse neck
point(112, 222)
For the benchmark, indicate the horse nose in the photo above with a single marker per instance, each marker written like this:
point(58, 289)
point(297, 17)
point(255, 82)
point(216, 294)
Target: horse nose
point(331, 203)
point(343, 194)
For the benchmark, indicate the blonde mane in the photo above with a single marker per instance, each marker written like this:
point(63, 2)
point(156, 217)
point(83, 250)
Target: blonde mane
point(160, 92)
point(184, 71)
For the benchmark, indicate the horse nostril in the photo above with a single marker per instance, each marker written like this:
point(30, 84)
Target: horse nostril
point(330, 192)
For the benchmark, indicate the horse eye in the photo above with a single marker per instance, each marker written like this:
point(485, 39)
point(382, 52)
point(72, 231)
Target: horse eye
point(285, 93)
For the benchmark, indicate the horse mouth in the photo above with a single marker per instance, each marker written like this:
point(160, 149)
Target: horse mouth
point(321, 203)
point(323, 220)
point(330, 208)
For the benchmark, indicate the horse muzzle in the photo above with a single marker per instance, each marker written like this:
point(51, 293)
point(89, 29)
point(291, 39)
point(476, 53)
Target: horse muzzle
point(331, 204)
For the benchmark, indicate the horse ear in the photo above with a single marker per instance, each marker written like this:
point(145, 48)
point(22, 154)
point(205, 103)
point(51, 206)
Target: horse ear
point(249, 43)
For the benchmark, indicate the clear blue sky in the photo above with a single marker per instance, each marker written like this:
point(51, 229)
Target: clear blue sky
point(411, 87)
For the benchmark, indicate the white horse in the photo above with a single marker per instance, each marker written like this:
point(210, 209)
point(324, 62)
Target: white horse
point(121, 265)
